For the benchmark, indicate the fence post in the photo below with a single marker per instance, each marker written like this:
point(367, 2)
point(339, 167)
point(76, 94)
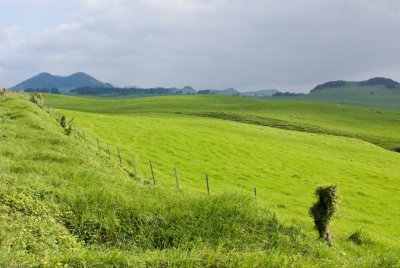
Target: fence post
point(208, 186)
point(255, 192)
point(152, 172)
point(108, 150)
point(176, 179)
point(134, 165)
point(119, 155)
point(98, 144)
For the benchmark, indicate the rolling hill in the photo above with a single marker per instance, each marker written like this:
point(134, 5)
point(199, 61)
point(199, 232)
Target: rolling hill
point(379, 127)
point(65, 203)
point(223, 135)
point(376, 92)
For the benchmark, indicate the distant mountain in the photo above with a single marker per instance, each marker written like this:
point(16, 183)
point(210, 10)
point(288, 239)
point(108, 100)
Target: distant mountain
point(259, 93)
point(63, 84)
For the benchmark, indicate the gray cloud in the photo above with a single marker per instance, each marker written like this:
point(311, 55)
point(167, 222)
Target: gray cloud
point(259, 44)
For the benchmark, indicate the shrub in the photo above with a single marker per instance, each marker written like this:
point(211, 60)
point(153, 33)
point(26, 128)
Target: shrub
point(69, 127)
point(322, 211)
point(38, 99)
point(63, 121)
point(396, 148)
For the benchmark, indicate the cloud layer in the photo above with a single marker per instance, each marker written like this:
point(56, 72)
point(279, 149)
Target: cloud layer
point(258, 44)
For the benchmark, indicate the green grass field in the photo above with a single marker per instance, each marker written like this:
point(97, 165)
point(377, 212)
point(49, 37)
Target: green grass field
point(103, 216)
point(376, 126)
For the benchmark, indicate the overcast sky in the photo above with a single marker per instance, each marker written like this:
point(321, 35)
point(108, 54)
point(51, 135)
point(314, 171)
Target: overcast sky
point(245, 44)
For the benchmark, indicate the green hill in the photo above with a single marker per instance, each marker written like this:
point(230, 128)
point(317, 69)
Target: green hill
point(63, 202)
point(376, 92)
point(374, 96)
point(183, 132)
point(379, 127)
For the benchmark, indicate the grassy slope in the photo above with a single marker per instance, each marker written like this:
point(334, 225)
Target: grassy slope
point(356, 95)
point(285, 166)
point(61, 203)
point(55, 195)
point(376, 126)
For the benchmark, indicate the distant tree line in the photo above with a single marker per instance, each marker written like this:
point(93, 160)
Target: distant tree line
point(205, 92)
point(124, 91)
point(43, 90)
point(286, 94)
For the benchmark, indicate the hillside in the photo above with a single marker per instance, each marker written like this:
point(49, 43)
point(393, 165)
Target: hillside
point(376, 92)
point(65, 203)
point(198, 134)
point(63, 84)
point(376, 126)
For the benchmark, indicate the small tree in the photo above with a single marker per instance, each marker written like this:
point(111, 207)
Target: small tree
point(322, 211)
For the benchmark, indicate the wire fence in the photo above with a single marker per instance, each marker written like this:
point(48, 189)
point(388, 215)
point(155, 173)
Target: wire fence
point(96, 145)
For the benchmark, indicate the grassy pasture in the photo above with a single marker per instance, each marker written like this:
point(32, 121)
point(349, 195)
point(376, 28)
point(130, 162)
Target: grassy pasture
point(63, 203)
point(376, 126)
point(284, 166)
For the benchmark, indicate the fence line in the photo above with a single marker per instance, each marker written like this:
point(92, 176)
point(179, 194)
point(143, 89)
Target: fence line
point(90, 138)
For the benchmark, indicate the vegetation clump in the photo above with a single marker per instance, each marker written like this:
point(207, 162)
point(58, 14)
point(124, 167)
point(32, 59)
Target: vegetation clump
point(322, 211)
point(358, 237)
point(63, 121)
point(396, 148)
point(68, 126)
point(38, 99)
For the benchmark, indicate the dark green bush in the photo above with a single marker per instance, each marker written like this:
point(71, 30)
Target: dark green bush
point(322, 211)
point(396, 148)
point(63, 121)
